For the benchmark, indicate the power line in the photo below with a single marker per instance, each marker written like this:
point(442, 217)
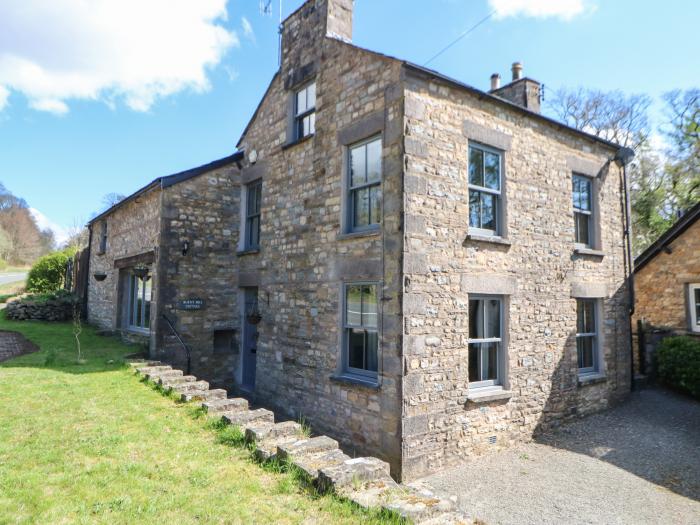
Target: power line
point(460, 37)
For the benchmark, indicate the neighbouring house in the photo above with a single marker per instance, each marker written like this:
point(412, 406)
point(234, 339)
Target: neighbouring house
point(419, 268)
point(667, 286)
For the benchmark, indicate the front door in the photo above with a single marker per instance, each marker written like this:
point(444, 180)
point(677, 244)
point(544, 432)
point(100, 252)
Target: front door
point(250, 337)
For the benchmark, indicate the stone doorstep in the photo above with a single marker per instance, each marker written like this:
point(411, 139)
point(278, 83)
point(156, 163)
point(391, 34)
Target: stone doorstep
point(155, 376)
point(204, 395)
point(239, 419)
point(170, 382)
point(418, 505)
point(219, 406)
point(352, 472)
point(306, 447)
point(185, 388)
point(310, 464)
point(370, 494)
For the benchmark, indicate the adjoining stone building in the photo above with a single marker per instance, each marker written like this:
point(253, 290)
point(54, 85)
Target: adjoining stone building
point(419, 268)
point(667, 286)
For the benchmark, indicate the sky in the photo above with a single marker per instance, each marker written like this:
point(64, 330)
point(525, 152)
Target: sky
point(102, 97)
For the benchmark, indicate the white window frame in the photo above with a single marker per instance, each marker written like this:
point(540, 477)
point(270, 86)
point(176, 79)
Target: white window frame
point(300, 115)
point(580, 211)
point(500, 351)
point(350, 190)
point(499, 211)
point(347, 370)
point(131, 309)
point(693, 288)
point(595, 335)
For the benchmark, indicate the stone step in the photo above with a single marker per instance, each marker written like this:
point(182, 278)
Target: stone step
point(258, 433)
point(240, 419)
point(186, 388)
point(143, 370)
point(267, 448)
point(219, 406)
point(134, 363)
point(370, 494)
point(170, 382)
point(349, 473)
point(204, 395)
point(154, 376)
point(305, 447)
point(311, 464)
point(418, 506)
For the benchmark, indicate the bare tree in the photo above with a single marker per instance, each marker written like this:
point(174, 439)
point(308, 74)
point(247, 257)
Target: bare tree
point(112, 199)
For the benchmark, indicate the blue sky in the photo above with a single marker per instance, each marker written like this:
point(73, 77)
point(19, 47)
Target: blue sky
point(80, 145)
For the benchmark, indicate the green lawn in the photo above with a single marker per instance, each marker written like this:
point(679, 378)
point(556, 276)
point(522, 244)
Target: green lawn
point(89, 443)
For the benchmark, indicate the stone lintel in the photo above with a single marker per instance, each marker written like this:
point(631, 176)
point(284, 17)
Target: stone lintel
point(489, 284)
point(253, 172)
point(246, 279)
point(362, 129)
point(581, 290)
point(584, 166)
point(487, 136)
point(142, 258)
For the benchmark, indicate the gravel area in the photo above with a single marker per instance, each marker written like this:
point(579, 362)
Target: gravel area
point(13, 344)
point(638, 463)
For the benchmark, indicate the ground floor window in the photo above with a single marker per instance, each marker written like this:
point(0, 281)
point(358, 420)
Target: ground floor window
point(694, 296)
point(360, 325)
point(587, 336)
point(485, 341)
point(139, 311)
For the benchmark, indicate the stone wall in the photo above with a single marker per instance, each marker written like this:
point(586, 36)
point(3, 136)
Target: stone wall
point(535, 268)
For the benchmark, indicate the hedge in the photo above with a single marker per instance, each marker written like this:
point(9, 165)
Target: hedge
point(49, 272)
point(678, 360)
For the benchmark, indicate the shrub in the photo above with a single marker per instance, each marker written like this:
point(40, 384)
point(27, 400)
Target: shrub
point(49, 272)
point(678, 360)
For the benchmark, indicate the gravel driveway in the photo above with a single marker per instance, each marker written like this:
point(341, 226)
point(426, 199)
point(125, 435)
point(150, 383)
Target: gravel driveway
point(638, 463)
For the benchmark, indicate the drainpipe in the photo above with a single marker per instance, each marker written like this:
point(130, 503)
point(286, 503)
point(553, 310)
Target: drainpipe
point(84, 308)
point(623, 157)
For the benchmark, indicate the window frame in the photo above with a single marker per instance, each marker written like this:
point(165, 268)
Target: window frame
point(310, 112)
point(499, 212)
point(351, 190)
point(500, 350)
point(102, 248)
point(132, 309)
point(693, 304)
point(347, 370)
point(595, 335)
point(256, 186)
point(590, 214)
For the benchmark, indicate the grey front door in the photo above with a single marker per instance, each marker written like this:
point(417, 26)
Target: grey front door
point(250, 338)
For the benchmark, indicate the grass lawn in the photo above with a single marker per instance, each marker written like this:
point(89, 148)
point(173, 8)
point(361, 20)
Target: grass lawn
point(89, 443)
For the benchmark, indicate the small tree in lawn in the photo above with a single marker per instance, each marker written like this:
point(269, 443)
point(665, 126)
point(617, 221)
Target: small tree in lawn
point(77, 329)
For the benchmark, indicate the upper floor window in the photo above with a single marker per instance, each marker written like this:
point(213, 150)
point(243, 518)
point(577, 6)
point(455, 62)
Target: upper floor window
point(305, 111)
point(485, 341)
point(586, 335)
point(360, 325)
point(583, 210)
point(252, 215)
point(103, 238)
point(365, 184)
point(694, 296)
point(485, 165)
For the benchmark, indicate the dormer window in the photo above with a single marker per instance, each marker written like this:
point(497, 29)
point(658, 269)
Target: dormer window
point(305, 111)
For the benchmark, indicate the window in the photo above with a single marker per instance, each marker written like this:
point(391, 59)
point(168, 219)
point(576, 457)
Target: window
point(484, 189)
point(583, 210)
point(252, 217)
point(140, 285)
point(586, 336)
point(103, 238)
point(694, 296)
point(485, 341)
point(305, 111)
point(360, 327)
point(365, 185)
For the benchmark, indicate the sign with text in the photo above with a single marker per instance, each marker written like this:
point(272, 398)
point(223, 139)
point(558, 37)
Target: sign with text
point(193, 303)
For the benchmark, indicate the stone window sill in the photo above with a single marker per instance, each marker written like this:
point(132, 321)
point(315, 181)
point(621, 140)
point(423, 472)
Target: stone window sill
point(249, 251)
point(297, 141)
point(487, 395)
point(357, 381)
point(589, 252)
point(591, 379)
point(358, 235)
point(493, 239)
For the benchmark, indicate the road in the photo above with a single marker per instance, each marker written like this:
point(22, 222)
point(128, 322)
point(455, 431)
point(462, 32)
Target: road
point(6, 278)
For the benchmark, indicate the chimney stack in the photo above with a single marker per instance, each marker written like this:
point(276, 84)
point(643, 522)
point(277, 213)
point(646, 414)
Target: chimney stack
point(495, 81)
point(517, 70)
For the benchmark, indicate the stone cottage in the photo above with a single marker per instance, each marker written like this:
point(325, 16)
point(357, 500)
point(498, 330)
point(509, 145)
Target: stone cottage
point(667, 284)
point(419, 268)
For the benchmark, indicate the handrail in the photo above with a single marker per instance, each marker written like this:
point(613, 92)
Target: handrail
point(177, 335)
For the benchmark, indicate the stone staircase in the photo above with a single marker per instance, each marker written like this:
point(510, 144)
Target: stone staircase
point(365, 481)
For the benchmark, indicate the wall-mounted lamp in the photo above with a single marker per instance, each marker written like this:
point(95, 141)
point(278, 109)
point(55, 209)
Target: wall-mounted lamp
point(185, 247)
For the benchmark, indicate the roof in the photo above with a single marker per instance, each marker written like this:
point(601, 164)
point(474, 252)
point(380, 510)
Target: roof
point(171, 180)
point(681, 225)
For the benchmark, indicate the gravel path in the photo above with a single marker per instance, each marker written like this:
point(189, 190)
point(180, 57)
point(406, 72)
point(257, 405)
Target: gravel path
point(638, 463)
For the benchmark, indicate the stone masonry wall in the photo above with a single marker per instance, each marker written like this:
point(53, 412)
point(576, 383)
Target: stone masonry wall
point(132, 230)
point(443, 267)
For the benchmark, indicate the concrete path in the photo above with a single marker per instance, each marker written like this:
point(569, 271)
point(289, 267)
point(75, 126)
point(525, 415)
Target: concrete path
point(638, 463)
point(7, 278)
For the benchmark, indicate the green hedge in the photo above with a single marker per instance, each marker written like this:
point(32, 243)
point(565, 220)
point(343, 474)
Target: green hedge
point(678, 359)
point(49, 272)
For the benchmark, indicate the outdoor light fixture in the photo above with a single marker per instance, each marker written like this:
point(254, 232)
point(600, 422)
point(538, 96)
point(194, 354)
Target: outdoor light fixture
point(140, 271)
point(99, 277)
point(185, 247)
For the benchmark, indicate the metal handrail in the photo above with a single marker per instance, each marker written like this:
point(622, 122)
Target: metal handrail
point(184, 345)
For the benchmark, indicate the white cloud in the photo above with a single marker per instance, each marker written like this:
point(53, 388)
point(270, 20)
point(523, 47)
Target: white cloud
point(564, 9)
point(60, 233)
point(247, 29)
point(133, 51)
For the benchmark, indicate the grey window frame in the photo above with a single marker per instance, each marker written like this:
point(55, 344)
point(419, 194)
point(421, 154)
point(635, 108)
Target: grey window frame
point(351, 190)
point(309, 112)
point(102, 248)
point(347, 370)
point(500, 352)
point(499, 211)
point(255, 186)
point(693, 306)
point(590, 214)
point(595, 336)
point(132, 309)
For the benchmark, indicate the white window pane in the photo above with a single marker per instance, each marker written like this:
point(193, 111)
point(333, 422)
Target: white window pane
point(353, 305)
point(369, 306)
point(312, 123)
point(374, 160)
point(358, 174)
point(301, 101)
point(311, 96)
